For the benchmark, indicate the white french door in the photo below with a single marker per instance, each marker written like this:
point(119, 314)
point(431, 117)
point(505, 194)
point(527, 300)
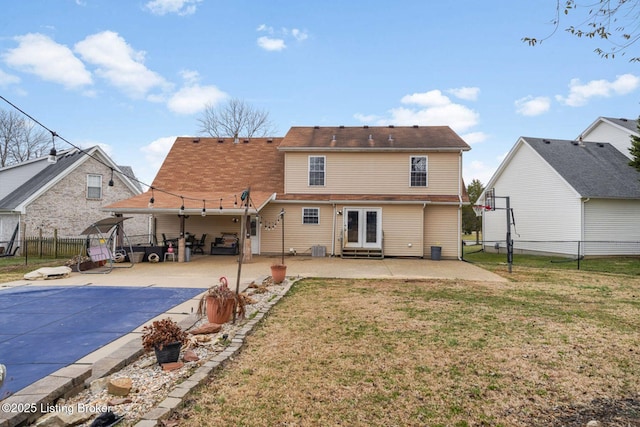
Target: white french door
point(255, 235)
point(362, 227)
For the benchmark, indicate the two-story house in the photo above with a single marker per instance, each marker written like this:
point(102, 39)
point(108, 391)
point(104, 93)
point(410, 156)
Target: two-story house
point(345, 191)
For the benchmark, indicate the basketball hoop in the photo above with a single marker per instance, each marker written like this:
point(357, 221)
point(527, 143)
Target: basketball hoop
point(478, 209)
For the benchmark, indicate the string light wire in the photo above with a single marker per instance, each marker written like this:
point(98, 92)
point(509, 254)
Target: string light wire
point(151, 201)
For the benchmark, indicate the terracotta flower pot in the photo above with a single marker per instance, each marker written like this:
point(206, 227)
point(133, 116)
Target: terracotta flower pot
point(217, 313)
point(278, 273)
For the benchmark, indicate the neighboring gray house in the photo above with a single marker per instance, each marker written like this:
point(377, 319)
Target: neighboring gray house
point(563, 192)
point(66, 196)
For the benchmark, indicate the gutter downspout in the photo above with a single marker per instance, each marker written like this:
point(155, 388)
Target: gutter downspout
point(459, 244)
point(333, 234)
point(424, 207)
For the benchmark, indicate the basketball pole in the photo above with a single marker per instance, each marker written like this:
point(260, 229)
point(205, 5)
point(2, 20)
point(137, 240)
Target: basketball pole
point(509, 241)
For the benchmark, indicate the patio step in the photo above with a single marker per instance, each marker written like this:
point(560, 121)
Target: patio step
point(361, 253)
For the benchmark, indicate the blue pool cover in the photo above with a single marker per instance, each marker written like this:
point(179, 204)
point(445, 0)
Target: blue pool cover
point(45, 328)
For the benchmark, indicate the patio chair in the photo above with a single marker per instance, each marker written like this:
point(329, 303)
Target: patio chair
point(198, 245)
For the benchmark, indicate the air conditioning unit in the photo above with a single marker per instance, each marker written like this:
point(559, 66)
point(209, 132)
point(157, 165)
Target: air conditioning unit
point(318, 250)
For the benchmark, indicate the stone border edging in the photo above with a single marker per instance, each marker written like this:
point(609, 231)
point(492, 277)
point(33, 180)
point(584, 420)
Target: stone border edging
point(175, 398)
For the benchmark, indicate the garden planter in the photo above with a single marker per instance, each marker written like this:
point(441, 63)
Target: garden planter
point(170, 353)
point(278, 273)
point(217, 312)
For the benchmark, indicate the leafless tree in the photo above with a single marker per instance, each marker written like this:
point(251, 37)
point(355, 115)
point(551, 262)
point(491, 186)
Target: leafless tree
point(235, 118)
point(20, 139)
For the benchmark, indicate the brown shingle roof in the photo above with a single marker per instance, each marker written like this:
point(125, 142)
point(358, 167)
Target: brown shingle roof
point(214, 168)
point(427, 138)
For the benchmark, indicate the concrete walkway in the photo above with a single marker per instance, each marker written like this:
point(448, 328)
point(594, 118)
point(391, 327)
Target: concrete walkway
point(203, 272)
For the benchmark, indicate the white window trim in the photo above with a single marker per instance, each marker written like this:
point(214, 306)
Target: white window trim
point(426, 184)
point(324, 181)
point(303, 216)
point(100, 186)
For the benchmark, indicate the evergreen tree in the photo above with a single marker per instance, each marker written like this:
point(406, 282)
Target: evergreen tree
point(635, 149)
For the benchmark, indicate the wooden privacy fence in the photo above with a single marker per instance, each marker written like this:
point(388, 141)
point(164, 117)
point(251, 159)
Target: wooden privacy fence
point(52, 247)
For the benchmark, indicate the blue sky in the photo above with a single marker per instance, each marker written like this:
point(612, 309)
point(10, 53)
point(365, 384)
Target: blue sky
point(133, 75)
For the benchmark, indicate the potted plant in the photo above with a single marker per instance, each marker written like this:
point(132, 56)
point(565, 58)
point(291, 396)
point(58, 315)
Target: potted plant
point(219, 302)
point(166, 338)
point(279, 271)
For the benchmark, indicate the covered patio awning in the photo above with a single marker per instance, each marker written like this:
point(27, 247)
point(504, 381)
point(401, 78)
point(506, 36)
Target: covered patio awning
point(104, 225)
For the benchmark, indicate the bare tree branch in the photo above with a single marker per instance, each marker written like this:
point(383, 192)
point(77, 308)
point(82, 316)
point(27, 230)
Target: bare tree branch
point(235, 118)
point(615, 21)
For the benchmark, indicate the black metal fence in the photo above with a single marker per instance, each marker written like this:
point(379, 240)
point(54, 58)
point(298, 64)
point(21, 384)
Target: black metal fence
point(540, 253)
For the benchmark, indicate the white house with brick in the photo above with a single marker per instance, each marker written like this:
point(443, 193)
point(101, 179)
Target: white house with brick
point(65, 196)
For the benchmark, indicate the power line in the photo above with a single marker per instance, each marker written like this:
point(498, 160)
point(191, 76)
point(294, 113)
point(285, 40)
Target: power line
point(151, 187)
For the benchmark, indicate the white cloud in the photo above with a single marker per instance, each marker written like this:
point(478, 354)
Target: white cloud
point(433, 98)
point(477, 170)
point(194, 98)
point(39, 55)
point(154, 154)
point(458, 117)
point(466, 93)
point(271, 44)
point(430, 108)
point(180, 7)
point(530, 106)
point(579, 94)
point(277, 39)
point(119, 64)
point(8, 79)
point(299, 34)
point(474, 137)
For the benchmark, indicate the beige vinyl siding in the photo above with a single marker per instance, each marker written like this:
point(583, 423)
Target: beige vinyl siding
point(441, 229)
point(401, 227)
point(301, 237)
point(372, 173)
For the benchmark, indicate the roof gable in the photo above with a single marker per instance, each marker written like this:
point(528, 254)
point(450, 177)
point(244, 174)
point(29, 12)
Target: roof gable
point(431, 138)
point(593, 169)
point(626, 125)
point(41, 178)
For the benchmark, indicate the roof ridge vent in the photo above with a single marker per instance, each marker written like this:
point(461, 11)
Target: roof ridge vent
point(416, 126)
point(391, 126)
point(546, 141)
point(220, 140)
point(341, 126)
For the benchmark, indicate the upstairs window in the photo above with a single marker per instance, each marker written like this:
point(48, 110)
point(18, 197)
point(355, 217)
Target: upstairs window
point(94, 186)
point(310, 216)
point(418, 171)
point(316, 170)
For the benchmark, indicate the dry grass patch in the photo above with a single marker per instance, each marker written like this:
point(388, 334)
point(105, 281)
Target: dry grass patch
point(437, 353)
